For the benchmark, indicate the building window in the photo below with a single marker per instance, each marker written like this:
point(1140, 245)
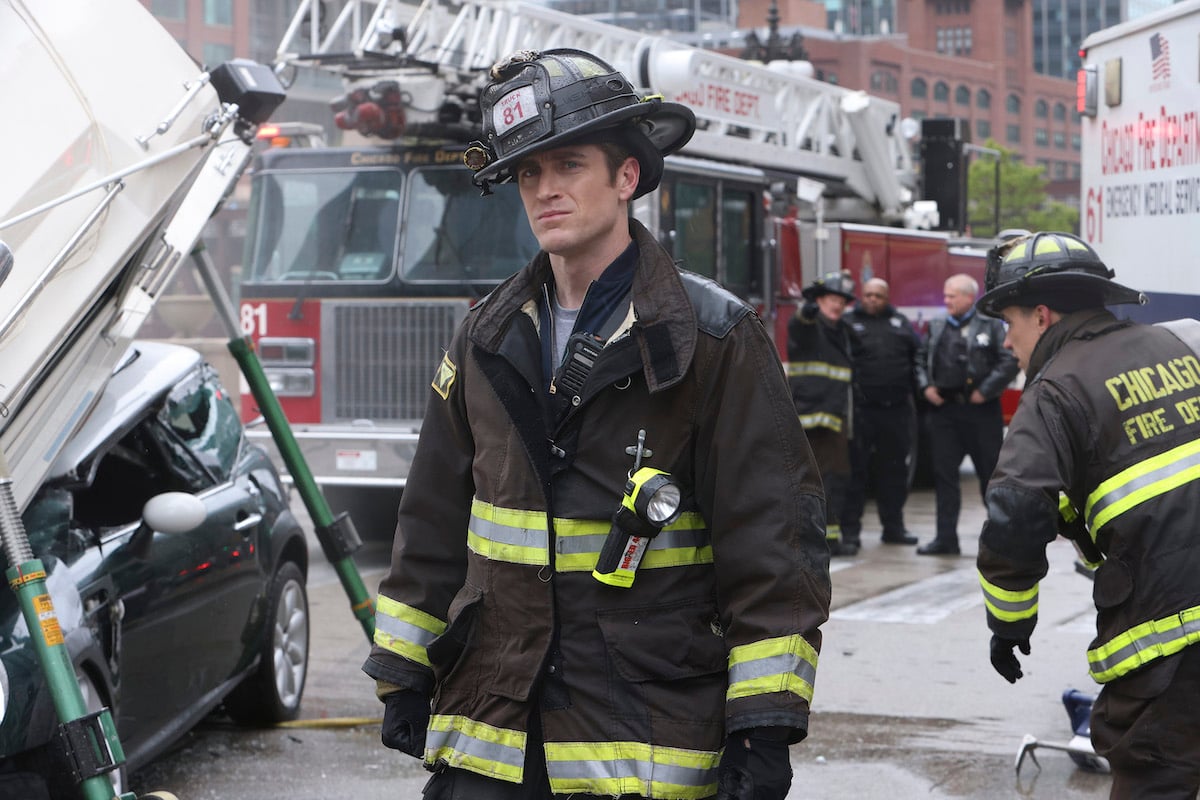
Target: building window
point(1013, 104)
point(218, 12)
point(941, 40)
point(216, 54)
point(1060, 169)
point(169, 9)
point(885, 82)
point(984, 128)
point(1012, 133)
point(1041, 109)
point(1060, 112)
point(983, 99)
point(1060, 140)
point(919, 88)
point(831, 77)
point(1075, 170)
point(941, 92)
point(1076, 144)
point(962, 96)
point(1040, 137)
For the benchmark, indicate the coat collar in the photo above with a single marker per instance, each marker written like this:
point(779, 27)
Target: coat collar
point(1078, 325)
point(664, 324)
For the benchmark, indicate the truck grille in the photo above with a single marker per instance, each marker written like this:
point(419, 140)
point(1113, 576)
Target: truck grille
point(383, 357)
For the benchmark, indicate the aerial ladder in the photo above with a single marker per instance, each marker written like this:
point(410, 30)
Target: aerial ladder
point(770, 116)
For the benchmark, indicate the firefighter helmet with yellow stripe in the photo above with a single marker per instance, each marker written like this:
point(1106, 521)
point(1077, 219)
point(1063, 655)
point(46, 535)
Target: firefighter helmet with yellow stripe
point(1058, 270)
point(543, 100)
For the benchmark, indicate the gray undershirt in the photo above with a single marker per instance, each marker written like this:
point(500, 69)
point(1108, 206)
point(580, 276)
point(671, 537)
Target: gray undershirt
point(564, 323)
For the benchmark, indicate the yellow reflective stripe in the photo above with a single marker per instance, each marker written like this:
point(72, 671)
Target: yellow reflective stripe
point(506, 534)
point(818, 369)
point(467, 744)
point(621, 768)
point(1144, 643)
point(1143, 481)
point(1065, 509)
point(833, 532)
point(1008, 605)
point(821, 419)
point(404, 630)
point(785, 664)
point(685, 542)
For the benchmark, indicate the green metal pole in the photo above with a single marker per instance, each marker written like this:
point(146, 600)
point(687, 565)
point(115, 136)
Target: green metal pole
point(337, 536)
point(27, 577)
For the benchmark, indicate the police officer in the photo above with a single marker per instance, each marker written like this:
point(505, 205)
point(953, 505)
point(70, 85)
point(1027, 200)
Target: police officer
point(1103, 447)
point(821, 350)
point(963, 370)
point(598, 395)
point(885, 370)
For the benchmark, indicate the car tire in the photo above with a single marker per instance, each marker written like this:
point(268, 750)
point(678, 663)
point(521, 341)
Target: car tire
point(272, 692)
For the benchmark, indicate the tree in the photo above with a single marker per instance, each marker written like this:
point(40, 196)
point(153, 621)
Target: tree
point(1023, 199)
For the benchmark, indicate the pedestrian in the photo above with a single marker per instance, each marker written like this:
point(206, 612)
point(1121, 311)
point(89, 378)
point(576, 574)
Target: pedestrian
point(885, 381)
point(820, 351)
point(608, 573)
point(963, 370)
point(1104, 435)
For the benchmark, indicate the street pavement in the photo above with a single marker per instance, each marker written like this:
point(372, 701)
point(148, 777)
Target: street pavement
point(906, 704)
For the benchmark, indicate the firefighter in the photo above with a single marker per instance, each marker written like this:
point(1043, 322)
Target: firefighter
point(1105, 435)
point(601, 399)
point(821, 348)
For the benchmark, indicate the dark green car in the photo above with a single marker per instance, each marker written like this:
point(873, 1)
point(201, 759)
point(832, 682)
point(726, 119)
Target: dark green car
point(171, 604)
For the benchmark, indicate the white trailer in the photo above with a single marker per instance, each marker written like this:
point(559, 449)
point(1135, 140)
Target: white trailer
point(1139, 96)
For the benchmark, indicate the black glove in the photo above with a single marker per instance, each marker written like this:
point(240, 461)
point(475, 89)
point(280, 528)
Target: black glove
point(405, 717)
point(755, 766)
point(1003, 660)
point(809, 310)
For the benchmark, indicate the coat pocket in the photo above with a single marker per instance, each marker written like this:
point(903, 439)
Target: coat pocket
point(446, 651)
point(663, 643)
point(1114, 584)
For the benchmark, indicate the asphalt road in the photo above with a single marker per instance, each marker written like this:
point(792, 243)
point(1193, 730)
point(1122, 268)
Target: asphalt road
point(906, 704)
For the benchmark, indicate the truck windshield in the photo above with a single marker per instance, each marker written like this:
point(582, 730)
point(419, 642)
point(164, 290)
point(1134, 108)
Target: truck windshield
point(349, 225)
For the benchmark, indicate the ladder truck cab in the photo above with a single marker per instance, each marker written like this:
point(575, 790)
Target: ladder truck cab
point(1139, 100)
point(361, 261)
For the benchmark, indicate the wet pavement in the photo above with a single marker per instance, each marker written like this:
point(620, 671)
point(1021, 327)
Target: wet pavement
point(906, 704)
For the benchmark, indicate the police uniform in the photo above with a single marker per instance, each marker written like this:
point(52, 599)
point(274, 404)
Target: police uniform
point(1105, 436)
point(885, 376)
point(959, 357)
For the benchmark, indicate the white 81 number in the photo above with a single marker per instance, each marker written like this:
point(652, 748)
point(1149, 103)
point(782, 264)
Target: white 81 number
point(254, 319)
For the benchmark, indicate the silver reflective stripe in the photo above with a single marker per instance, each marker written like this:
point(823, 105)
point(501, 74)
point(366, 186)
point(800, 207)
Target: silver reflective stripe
point(645, 771)
point(403, 630)
point(773, 665)
point(668, 539)
point(509, 534)
point(460, 742)
point(1013, 606)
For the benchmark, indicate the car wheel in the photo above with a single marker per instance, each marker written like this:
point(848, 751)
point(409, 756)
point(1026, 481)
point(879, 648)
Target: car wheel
point(272, 692)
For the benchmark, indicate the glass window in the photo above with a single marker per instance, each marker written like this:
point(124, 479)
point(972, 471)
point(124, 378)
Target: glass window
point(941, 91)
point(1041, 137)
point(200, 413)
point(737, 242)
point(983, 99)
point(962, 96)
point(1060, 169)
point(169, 9)
point(1041, 109)
point(1060, 140)
point(1076, 143)
point(216, 54)
point(1012, 104)
point(218, 12)
point(1012, 133)
point(1060, 112)
point(695, 227)
point(919, 87)
point(984, 129)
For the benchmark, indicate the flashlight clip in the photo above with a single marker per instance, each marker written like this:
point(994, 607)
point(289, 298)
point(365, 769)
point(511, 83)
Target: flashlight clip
point(638, 450)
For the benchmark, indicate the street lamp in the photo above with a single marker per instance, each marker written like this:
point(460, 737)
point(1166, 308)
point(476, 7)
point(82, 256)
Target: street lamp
point(999, 156)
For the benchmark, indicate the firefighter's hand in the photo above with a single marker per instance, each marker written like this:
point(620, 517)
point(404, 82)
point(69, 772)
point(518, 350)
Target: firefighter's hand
point(405, 717)
point(755, 766)
point(808, 311)
point(1004, 660)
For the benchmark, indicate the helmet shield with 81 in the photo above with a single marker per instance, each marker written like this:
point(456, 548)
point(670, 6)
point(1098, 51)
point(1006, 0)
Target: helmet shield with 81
point(539, 101)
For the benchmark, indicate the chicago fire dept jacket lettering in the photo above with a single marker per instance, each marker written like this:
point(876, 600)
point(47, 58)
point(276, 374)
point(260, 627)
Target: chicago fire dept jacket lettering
point(1109, 422)
point(491, 600)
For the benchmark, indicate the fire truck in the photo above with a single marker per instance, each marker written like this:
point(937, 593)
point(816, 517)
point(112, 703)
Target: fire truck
point(361, 261)
point(1139, 100)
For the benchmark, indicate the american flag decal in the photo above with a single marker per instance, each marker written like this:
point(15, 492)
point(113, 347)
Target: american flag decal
point(1160, 55)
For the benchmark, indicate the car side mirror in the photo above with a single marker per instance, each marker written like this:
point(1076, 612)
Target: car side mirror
point(174, 512)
